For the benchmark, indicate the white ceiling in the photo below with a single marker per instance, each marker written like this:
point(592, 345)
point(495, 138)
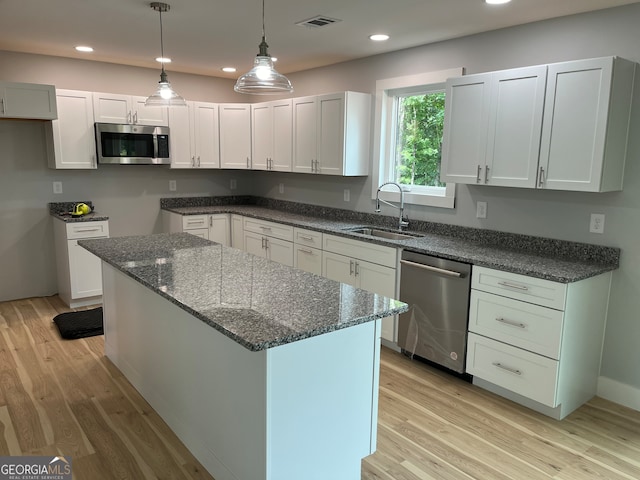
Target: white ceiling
point(202, 36)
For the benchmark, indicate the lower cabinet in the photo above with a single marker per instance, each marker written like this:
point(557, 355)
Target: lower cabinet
point(237, 232)
point(79, 271)
point(535, 341)
point(307, 250)
point(365, 265)
point(214, 227)
point(268, 239)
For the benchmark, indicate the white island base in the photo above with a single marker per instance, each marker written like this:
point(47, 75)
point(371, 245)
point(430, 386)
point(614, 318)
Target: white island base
point(304, 410)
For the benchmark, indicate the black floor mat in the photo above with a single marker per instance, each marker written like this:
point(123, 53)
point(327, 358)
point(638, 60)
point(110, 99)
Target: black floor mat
point(85, 323)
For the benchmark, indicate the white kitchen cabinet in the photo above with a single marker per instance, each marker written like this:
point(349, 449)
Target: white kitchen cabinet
point(28, 100)
point(194, 137)
point(214, 227)
point(331, 134)
point(79, 273)
point(71, 139)
point(535, 341)
point(127, 109)
point(586, 125)
point(271, 135)
point(365, 265)
point(235, 135)
point(237, 232)
point(269, 239)
point(492, 127)
point(307, 251)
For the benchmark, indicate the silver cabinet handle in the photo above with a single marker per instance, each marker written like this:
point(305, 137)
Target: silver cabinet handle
point(129, 117)
point(449, 273)
point(211, 221)
point(2, 103)
point(351, 267)
point(195, 222)
point(198, 160)
point(513, 285)
point(193, 161)
point(357, 270)
point(511, 322)
point(84, 230)
point(508, 369)
point(265, 228)
point(135, 117)
point(305, 237)
point(262, 238)
point(541, 177)
point(478, 174)
point(266, 243)
point(305, 250)
point(248, 162)
point(486, 174)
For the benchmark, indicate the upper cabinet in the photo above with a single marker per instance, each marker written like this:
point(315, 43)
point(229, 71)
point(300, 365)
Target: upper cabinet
point(235, 135)
point(563, 126)
point(271, 135)
point(331, 134)
point(28, 100)
point(70, 138)
point(194, 136)
point(127, 109)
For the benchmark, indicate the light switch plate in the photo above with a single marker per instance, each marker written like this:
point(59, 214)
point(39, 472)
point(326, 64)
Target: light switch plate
point(57, 187)
point(597, 223)
point(481, 210)
point(172, 185)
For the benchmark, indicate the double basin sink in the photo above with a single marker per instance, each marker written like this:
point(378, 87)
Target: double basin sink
point(382, 233)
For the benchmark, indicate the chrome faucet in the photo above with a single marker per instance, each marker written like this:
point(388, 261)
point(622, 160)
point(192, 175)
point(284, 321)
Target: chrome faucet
point(401, 221)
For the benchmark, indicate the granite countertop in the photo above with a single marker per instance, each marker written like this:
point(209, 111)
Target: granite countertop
point(554, 260)
point(258, 303)
point(62, 211)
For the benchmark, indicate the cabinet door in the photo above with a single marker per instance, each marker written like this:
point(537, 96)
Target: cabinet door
point(181, 140)
point(307, 259)
point(27, 100)
point(380, 280)
point(254, 243)
point(338, 267)
point(331, 109)
point(280, 251)
point(85, 272)
point(305, 127)
point(237, 232)
point(219, 229)
point(235, 136)
point(513, 146)
point(112, 108)
point(261, 135)
point(282, 151)
point(143, 115)
point(199, 232)
point(72, 133)
point(574, 125)
point(466, 120)
point(205, 135)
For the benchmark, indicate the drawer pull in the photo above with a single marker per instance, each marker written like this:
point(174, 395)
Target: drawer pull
point(305, 237)
point(511, 322)
point(304, 250)
point(83, 230)
point(265, 228)
point(195, 222)
point(513, 285)
point(508, 369)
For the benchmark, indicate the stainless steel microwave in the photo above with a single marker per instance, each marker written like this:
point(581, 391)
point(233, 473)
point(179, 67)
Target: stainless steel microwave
point(132, 144)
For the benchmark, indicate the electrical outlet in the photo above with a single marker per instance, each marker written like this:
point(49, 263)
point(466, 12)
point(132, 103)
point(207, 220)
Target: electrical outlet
point(57, 187)
point(172, 185)
point(281, 188)
point(233, 184)
point(347, 194)
point(481, 210)
point(597, 223)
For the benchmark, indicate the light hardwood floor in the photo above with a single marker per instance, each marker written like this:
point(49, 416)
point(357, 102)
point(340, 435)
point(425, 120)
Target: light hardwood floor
point(64, 397)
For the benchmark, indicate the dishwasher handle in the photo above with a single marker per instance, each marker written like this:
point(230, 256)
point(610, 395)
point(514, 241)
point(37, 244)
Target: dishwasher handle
point(449, 273)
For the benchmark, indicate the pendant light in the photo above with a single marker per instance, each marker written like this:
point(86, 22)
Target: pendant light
point(263, 79)
point(165, 96)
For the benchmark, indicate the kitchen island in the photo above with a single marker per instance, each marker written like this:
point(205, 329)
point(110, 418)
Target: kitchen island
point(262, 370)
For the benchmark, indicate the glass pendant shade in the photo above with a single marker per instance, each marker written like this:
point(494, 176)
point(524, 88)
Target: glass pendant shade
point(165, 96)
point(263, 79)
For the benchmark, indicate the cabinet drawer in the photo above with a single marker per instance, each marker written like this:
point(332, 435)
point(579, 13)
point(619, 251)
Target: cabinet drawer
point(520, 287)
point(77, 230)
point(271, 229)
point(308, 259)
point(522, 372)
point(366, 251)
point(307, 237)
point(531, 327)
point(190, 222)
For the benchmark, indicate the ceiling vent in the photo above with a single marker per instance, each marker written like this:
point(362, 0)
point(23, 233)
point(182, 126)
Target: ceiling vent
point(318, 21)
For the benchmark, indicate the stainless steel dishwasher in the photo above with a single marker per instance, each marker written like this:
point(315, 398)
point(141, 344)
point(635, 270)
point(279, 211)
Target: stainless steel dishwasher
point(437, 292)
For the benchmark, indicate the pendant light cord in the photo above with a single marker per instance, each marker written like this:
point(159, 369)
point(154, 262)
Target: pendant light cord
point(263, 19)
point(162, 40)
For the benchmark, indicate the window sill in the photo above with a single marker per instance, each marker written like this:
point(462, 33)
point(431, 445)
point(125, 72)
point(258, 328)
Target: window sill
point(427, 200)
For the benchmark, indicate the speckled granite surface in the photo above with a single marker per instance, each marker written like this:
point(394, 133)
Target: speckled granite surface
point(61, 211)
point(540, 257)
point(258, 303)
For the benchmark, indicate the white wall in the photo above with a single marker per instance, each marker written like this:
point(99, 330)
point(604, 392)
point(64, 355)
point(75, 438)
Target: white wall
point(130, 196)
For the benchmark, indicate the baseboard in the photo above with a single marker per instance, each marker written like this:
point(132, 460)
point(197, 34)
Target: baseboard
point(618, 392)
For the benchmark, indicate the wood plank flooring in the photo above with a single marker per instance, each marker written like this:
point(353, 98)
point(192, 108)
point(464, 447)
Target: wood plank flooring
point(64, 397)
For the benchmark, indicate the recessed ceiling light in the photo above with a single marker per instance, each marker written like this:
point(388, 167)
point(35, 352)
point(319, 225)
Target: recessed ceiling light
point(84, 48)
point(497, 2)
point(163, 59)
point(379, 37)
point(229, 69)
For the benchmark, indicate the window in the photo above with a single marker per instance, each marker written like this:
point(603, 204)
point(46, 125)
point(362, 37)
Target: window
point(409, 125)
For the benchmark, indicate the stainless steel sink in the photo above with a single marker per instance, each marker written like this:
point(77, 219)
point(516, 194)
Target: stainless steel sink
point(377, 232)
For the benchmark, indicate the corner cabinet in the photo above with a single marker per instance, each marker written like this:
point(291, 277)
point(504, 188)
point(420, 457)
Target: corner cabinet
point(235, 135)
point(535, 341)
point(562, 126)
point(331, 134)
point(28, 100)
point(70, 139)
point(194, 137)
point(116, 108)
point(214, 227)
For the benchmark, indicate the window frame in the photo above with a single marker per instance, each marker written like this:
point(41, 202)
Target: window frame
point(384, 156)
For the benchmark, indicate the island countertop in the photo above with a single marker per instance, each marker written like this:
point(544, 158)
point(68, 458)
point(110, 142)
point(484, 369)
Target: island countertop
point(258, 303)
